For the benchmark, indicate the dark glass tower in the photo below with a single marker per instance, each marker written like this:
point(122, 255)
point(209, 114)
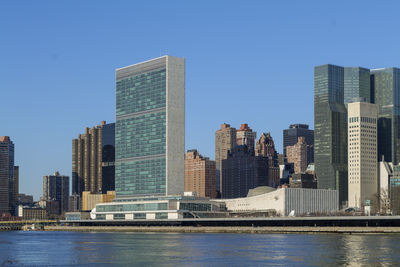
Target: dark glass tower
point(330, 119)
point(386, 89)
point(108, 158)
point(6, 174)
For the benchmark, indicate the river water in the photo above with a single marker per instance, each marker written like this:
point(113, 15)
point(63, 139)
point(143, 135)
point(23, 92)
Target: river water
point(18, 248)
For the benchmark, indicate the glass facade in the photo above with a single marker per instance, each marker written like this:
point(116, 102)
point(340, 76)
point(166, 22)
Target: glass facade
point(140, 135)
point(386, 89)
point(195, 206)
point(330, 133)
point(356, 84)
point(141, 92)
point(132, 207)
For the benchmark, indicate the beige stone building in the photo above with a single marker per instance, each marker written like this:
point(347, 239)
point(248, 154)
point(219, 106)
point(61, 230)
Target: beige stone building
point(200, 174)
point(90, 200)
point(265, 147)
point(225, 141)
point(362, 153)
point(297, 154)
point(245, 136)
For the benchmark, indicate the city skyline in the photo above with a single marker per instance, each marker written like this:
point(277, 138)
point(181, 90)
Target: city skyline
point(53, 68)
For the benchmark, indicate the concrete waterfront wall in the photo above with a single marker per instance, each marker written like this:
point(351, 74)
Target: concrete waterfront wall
point(250, 230)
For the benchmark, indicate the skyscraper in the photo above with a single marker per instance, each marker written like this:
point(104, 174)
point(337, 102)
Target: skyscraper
point(330, 144)
point(291, 135)
point(56, 188)
point(150, 128)
point(362, 153)
point(225, 141)
point(6, 174)
point(199, 174)
point(93, 156)
point(385, 85)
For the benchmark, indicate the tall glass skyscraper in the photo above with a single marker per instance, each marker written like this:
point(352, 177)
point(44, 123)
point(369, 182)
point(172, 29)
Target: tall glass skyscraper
point(330, 131)
point(386, 89)
point(150, 128)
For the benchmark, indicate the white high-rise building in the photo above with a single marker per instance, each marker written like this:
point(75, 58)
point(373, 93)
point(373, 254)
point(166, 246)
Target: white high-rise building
point(362, 153)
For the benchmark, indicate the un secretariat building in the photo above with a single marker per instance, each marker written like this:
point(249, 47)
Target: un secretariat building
point(150, 128)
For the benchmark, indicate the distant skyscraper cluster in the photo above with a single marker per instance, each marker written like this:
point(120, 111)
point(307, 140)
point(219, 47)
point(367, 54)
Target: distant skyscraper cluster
point(137, 168)
point(356, 125)
point(242, 163)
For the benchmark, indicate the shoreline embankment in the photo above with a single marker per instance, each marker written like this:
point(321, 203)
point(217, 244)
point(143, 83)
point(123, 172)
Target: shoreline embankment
point(228, 229)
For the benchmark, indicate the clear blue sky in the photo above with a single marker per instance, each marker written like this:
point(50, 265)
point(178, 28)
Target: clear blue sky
point(246, 62)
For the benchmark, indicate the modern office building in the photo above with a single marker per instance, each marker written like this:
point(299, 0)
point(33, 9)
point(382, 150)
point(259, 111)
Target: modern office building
point(93, 156)
point(297, 154)
point(225, 141)
point(385, 87)
point(56, 188)
point(330, 117)
point(362, 153)
point(6, 175)
point(265, 147)
point(245, 136)
point(150, 128)
point(291, 135)
point(200, 175)
point(167, 207)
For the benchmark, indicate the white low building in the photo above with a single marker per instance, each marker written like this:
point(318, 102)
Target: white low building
point(286, 200)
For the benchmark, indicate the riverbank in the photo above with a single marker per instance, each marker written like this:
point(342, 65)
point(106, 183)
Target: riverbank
point(217, 229)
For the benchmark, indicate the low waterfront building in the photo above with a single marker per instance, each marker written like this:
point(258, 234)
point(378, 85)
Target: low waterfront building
point(150, 208)
point(284, 201)
point(32, 213)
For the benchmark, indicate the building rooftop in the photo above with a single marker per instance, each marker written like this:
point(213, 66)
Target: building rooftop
point(5, 139)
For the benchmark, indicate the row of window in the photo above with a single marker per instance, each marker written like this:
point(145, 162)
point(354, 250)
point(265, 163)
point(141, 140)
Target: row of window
point(362, 119)
point(132, 207)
